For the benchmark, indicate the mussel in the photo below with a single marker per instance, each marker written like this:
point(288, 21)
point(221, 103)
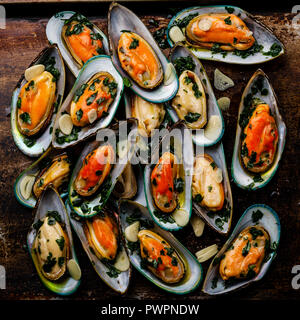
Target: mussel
point(211, 190)
point(103, 245)
point(80, 38)
point(77, 38)
point(102, 234)
point(260, 135)
point(35, 104)
point(190, 100)
point(156, 253)
point(168, 180)
point(93, 99)
point(55, 174)
point(90, 105)
point(149, 115)
point(195, 102)
point(36, 98)
point(99, 167)
point(246, 254)
point(224, 33)
point(260, 138)
point(160, 258)
point(139, 60)
point(95, 168)
point(207, 184)
point(227, 30)
point(51, 246)
point(163, 178)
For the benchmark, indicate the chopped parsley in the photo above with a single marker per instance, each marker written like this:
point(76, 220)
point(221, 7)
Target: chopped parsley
point(25, 117)
point(61, 243)
point(256, 216)
point(184, 63)
point(192, 117)
point(134, 44)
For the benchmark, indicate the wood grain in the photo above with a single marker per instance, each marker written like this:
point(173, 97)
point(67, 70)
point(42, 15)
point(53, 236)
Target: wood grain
point(21, 41)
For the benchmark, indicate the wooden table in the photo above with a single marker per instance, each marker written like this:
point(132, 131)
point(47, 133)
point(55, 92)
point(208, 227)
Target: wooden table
point(21, 41)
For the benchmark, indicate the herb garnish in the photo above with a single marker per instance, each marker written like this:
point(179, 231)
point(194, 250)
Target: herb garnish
point(134, 43)
point(50, 263)
point(184, 63)
point(246, 249)
point(256, 216)
point(61, 243)
point(25, 117)
point(192, 117)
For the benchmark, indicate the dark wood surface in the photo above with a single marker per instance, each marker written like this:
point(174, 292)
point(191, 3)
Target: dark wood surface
point(22, 40)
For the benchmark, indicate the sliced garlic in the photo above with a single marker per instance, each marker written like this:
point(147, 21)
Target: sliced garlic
point(169, 74)
point(207, 253)
point(204, 24)
point(213, 127)
point(131, 232)
point(218, 175)
point(65, 124)
point(122, 262)
point(221, 81)
point(176, 34)
point(224, 103)
point(198, 225)
point(74, 269)
point(34, 71)
point(92, 115)
point(26, 186)
point(181, 217)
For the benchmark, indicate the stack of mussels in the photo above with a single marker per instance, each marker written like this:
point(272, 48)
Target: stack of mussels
point(84, 191)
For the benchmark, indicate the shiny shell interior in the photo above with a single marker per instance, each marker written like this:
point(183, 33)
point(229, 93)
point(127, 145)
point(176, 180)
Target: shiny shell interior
point(260, 32)
point(51, 201)
point(218, 222)
point(93, 66)
point(33, 171)
point(193, 270)
point(213, 283)
point(242, 177)
point(121, 282)
point(121, 18)
point(100, 197)
point(53, 32)
point(35, 146)
point(182, 152)
point(213, 109)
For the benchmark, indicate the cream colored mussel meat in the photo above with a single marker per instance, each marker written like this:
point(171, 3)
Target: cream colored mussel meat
point(190, 101)
point(51, 247)
point(207, 183)
point(150, 115)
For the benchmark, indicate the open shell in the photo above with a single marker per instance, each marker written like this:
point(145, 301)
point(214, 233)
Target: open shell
point(54, 31)
point(121, 282)
point(241, 176)
point(99, 198)
point(260, 32)
point(35, 146)
point(219, 221)
point(183, 147)
point(121, 18)
point(51, 201)
point(213, 284)
point(212, 107)
point(33, 172)
point(92, 67)
point(193, 270)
